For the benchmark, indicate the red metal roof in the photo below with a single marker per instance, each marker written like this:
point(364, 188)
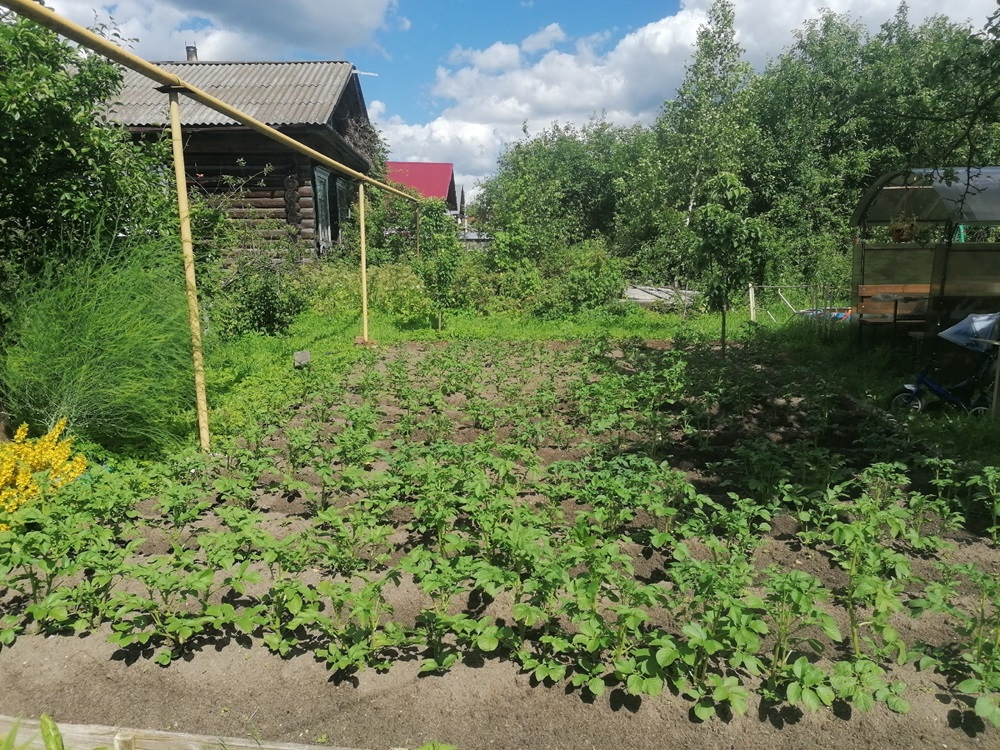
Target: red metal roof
point(430, 179)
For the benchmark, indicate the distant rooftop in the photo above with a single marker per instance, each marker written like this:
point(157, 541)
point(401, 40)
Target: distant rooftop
point(430, 179)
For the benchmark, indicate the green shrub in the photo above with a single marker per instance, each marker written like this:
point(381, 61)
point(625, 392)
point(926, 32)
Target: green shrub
point(439, 259)
point(330, 288)
point(584, 277)
point(105, 345)
point(66, 172)
point(257, 296)
point(474, 282)
point(522, 284)
point(397, 291)
point(334, 289)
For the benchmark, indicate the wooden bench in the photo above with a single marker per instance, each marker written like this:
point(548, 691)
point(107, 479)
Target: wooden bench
point(893, 304)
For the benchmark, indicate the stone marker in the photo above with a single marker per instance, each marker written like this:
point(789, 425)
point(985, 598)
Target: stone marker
point(302, 359)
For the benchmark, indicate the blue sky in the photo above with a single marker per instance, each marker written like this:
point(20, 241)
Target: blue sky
point(458, 80)
point(407, 60)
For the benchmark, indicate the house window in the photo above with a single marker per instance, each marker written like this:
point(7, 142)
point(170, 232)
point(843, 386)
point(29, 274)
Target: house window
point(343, 204)
point(324, 225)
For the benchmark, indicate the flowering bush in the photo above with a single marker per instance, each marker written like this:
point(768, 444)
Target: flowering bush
point(30, 467)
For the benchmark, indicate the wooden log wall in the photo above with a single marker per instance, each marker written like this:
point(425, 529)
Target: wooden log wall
point(260, 193)
point(307, 204)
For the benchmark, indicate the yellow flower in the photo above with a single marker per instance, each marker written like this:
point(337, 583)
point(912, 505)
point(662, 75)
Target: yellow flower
point(27, 466)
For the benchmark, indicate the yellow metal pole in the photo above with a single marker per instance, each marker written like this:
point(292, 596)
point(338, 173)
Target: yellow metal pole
point(187, 247)
point(364, 264)
point(51, 20)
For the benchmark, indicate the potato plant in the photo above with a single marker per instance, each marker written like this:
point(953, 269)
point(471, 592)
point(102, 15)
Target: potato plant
point(555, 507)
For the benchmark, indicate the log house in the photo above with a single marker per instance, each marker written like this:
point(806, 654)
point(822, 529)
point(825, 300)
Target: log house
point(313, 102)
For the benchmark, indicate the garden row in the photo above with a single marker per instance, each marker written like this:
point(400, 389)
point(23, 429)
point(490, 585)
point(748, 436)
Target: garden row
point(527, 502)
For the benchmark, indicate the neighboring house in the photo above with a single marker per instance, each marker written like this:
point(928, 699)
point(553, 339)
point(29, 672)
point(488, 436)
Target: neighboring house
point(430, 179)
point(473, 239)
point(317, 103)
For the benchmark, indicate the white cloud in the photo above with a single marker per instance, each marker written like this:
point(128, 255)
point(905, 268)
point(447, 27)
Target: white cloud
point(588, 45)
point(490, 105)
point(486, 104)
point(497, 57)
point(245, 30)
point(545, 39)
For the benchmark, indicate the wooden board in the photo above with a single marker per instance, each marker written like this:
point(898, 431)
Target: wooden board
point(915, 290)
point(89, 737)
point(885, 307)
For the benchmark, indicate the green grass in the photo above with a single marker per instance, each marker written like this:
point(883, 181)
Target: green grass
point(340, 332)
point(252, 378)
point(104, 343)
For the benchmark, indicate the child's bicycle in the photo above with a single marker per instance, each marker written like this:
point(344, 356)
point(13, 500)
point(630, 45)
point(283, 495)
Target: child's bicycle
point(974, 394)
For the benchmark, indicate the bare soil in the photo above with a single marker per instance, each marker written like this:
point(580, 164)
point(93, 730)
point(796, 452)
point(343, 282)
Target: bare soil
point(249, 692)
point(239, 688)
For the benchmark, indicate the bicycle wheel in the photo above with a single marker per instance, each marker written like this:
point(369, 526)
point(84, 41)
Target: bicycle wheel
point(982, 406)
point(904, 400)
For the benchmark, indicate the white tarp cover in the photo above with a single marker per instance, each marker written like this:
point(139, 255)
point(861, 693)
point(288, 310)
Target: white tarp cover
point(966, 332)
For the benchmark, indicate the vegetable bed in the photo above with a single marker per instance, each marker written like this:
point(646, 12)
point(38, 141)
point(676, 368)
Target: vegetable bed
point(624, 527)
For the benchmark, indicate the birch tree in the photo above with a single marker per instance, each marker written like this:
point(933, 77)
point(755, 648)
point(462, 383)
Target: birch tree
point(701, 130)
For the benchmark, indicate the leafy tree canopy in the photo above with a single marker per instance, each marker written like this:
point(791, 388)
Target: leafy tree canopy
point(64, 170)
point(553, 190)
point(805, 137)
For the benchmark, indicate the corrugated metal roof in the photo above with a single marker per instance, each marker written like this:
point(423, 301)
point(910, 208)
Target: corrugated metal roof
point(276, 93)
point(430, 179)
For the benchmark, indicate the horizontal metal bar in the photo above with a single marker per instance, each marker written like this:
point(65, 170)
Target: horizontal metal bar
point(51, 20)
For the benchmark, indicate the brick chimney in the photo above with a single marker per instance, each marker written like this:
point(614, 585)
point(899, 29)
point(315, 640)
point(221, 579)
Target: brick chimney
point(192, 53)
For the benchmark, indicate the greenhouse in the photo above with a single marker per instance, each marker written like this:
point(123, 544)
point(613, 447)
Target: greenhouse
point(928, 248)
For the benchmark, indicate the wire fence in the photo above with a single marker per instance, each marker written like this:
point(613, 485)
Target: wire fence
point(781, 304)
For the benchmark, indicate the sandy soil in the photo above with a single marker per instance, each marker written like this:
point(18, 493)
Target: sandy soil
point(248, 692)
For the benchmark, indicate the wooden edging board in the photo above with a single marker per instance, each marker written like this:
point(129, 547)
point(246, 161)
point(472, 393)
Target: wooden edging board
point(90, 737)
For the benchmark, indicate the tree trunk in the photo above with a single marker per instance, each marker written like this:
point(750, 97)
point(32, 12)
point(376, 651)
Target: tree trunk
point(5, 433)
point(691, 200)
point(725, 305)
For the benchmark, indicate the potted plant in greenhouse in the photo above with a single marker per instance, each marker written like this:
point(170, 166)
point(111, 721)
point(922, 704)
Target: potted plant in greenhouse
point(903, 228)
